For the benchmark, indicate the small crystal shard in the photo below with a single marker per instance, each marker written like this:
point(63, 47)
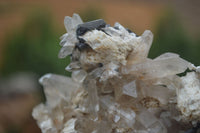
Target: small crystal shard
point(126, 90)
point(79, 75)
point(66, 50)
point(69, 126)
point(130, 89)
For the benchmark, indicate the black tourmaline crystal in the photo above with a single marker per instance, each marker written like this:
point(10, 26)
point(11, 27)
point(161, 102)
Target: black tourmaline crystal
point(88, 26)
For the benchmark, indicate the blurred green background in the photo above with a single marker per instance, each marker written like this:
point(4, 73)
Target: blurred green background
point(29, 43)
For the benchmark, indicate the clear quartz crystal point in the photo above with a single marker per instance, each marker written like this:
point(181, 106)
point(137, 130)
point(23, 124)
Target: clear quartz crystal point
point(147, 38)
point(141, 49)
point(154, 68)
point(68, 40)
point(66, 50)
point(130, 89)
point(58, 88)
point(72, 22)
point(41, 114)
point(126, 90)
point(93, 100)
point(115, 88)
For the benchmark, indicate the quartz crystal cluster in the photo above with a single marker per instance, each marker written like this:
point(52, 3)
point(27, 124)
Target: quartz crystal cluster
point(115, 87)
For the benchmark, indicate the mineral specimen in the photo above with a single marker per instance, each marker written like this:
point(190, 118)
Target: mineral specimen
point(115, 87)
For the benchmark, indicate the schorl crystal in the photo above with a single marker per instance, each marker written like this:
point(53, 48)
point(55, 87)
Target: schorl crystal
point(88, 26)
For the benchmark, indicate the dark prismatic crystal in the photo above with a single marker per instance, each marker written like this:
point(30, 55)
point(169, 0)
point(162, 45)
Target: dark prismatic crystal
point(88, 26)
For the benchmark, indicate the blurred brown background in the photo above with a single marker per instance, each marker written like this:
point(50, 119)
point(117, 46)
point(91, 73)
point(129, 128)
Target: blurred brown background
point(29, 43)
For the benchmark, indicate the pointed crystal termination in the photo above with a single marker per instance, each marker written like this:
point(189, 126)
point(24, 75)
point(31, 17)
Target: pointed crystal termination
point(68, 40)
point(41, 113)
point(141, 51)
point(71, 23)
point(115, 88)
point(126, 90)
point(148, 69)
point(130, 89)
point(58, 88)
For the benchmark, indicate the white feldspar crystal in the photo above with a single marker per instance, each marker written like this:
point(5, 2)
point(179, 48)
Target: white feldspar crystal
point(115, 88)
point(104, 44)
point(188, 97)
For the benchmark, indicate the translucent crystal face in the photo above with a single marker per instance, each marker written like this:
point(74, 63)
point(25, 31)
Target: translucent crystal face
point(115, 87)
